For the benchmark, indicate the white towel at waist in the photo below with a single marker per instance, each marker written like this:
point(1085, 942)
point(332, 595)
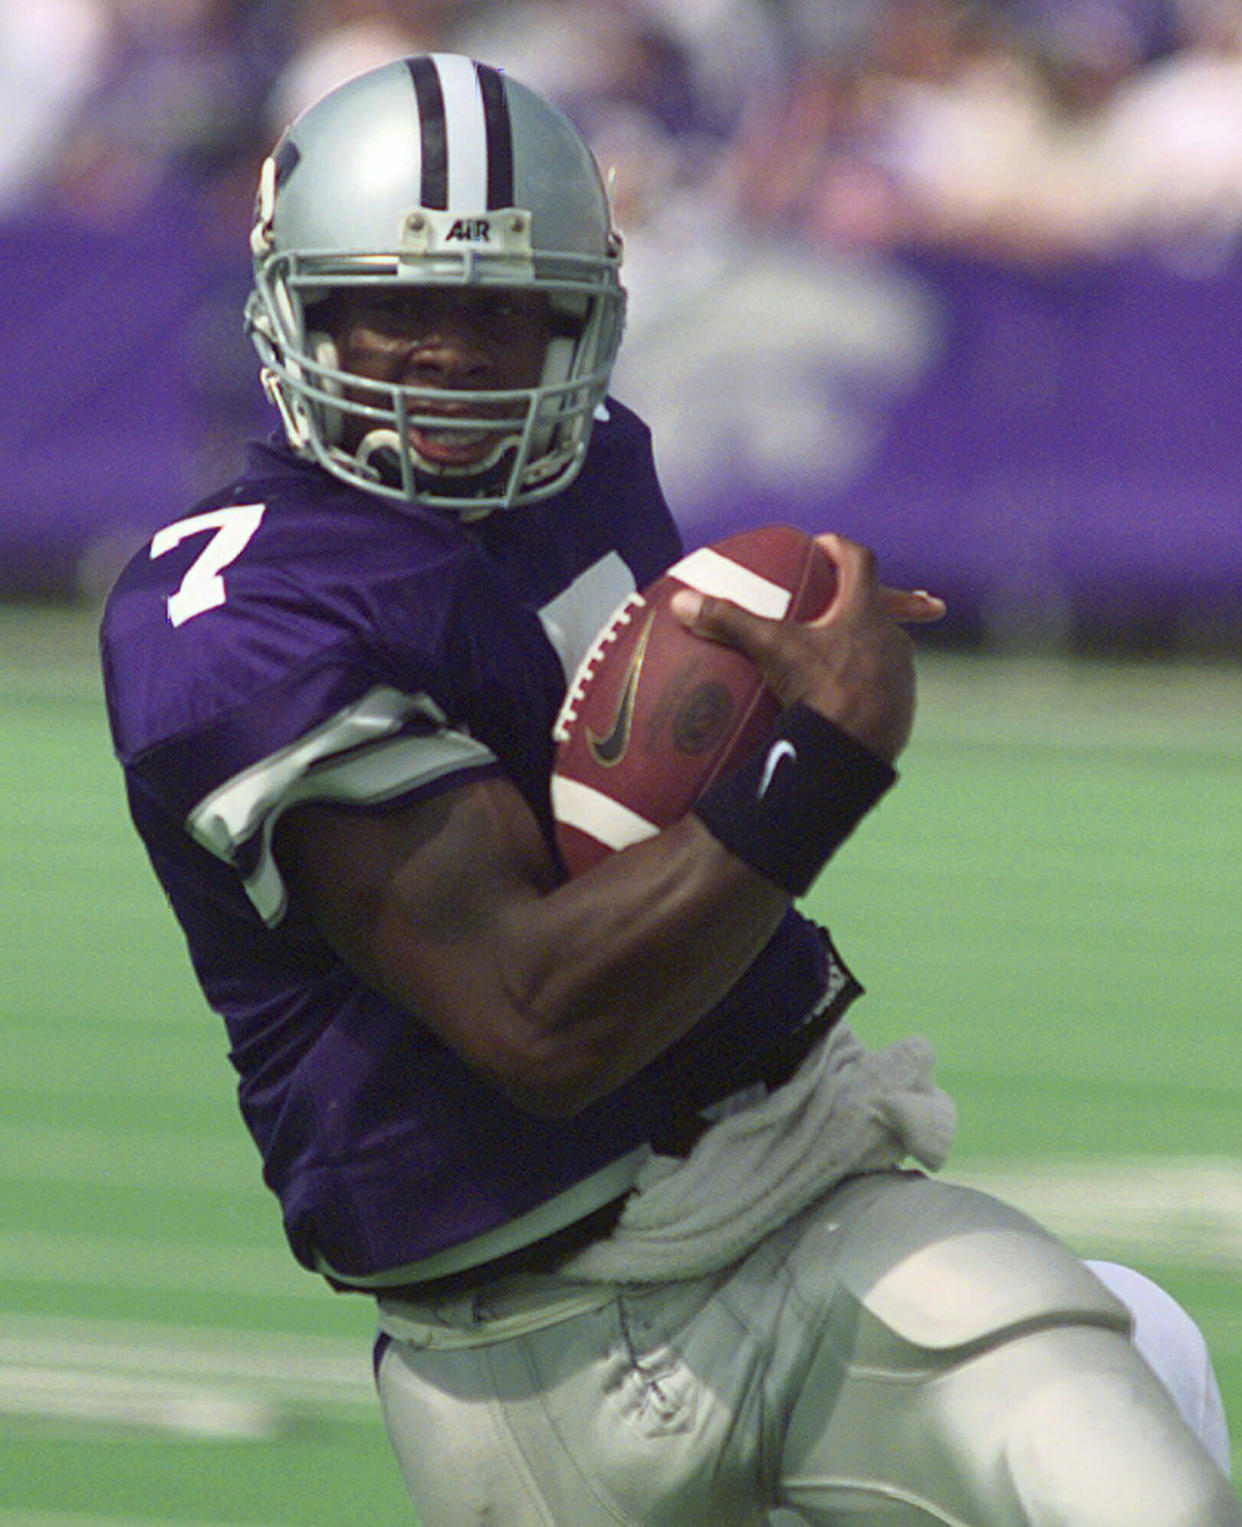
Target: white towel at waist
point(846, 1110)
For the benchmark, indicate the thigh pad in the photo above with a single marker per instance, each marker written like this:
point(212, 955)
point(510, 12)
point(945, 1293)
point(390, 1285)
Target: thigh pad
point(929, 1270)
point(972, 1371)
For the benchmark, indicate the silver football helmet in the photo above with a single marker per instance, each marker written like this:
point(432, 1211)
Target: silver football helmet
point(436, 171)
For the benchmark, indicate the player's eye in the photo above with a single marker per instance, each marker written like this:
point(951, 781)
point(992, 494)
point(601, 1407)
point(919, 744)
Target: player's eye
point(392, 315)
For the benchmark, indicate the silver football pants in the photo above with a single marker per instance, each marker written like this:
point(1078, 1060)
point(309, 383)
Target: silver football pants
point(905, 1354)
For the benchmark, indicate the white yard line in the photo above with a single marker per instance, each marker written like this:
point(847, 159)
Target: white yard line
point(1173, 1212)
point(178, 1380)
point(75, 1519)
point(200, 1412)
point(214, 1383)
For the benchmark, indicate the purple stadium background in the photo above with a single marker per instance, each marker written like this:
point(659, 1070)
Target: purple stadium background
point(1071, 451)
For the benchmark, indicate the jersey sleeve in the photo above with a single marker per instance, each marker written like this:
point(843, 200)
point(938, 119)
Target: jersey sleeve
point(384, 747)
point(226, 785)
point(228, 716)
point(293, 640)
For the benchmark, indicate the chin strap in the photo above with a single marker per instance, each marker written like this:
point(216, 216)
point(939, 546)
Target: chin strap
point(378, 457)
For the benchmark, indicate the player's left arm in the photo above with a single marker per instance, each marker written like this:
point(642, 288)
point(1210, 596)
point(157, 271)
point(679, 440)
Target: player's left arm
point(556, 992)
point(559, 992)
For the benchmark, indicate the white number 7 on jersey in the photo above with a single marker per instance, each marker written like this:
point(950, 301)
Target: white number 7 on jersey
point(202, 588)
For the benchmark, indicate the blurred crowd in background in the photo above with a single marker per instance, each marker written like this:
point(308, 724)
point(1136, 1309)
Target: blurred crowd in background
point(774, 161)
point(1019, 129)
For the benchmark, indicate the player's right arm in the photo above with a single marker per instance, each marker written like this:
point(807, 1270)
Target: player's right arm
point(558, 992)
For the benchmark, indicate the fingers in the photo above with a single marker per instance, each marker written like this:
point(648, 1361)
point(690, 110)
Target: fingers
point(853, 663)
point(856, 582)
point(713, 618)
point(719, 620)
point(855, 567)
point(856, 572)
point(722, 621)
point(912, 607)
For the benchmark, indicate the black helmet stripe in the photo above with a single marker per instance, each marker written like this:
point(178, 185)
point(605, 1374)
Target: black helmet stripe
point(499, 137)
point(479, 174)
point(426, 77)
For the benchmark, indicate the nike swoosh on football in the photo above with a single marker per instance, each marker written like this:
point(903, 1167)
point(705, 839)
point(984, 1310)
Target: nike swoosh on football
point(778, 751)
point(609, 749)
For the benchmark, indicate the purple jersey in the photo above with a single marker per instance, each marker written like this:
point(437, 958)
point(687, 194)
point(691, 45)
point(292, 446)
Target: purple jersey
point(295, 639)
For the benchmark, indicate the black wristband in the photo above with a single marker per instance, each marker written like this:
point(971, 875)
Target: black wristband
point(788, 808)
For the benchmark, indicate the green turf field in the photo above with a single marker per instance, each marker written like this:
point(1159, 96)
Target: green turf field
point(1053, 896)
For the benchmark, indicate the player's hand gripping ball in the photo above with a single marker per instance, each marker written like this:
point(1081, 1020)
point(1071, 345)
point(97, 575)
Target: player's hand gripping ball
point(654, 714)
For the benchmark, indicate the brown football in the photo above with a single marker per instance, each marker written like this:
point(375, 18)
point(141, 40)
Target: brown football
point(655, 714)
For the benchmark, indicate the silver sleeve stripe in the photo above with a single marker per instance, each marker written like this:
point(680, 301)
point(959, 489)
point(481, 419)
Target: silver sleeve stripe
point(364, 755)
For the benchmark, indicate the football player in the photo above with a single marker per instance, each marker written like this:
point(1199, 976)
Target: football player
point(627, 1189)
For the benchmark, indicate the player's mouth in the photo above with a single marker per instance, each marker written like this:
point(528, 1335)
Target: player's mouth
point(455, 443)
point(452, 447)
